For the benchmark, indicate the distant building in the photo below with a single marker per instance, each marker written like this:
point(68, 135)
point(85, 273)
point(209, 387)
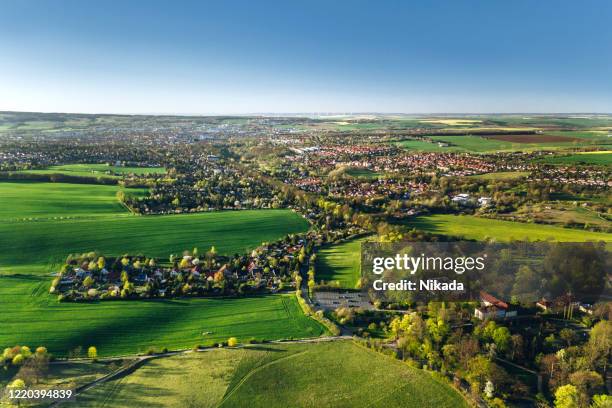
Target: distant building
point(484, 201)
point(461, 198)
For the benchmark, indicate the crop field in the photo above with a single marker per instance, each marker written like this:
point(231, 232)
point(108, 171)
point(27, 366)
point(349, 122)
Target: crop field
point(47, 242)
point(497, 143)
point(340, 262)
point(30, 316)
point(95, 170)
point(529, 138)
point(279, 375)
point(422, 146)
point(471, 227)
point(31, 247)
point(602, 158)
point(33, 200)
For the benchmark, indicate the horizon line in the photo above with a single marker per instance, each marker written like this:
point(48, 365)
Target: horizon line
point(314, 113)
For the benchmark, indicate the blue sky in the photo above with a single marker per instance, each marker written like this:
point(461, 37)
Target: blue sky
point(306, 56)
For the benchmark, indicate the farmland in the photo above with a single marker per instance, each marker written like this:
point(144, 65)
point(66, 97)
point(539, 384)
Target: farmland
point(33, 200)
point(471, 227)
point(43, 222)
point(277, 376)
point(49, 241)
point(30, 316)
point(603, 158)
point(83, 218)
point(341, 263)
point(499, 143)
point(101, 170)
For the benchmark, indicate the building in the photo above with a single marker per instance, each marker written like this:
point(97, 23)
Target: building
point(492, 308)
point(461, 198)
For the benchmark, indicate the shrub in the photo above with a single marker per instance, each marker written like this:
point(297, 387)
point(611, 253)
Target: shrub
point(232, 342)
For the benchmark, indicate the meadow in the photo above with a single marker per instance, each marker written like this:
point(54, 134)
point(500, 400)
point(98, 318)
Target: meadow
point(101, 170)
point(471, 227)
point(338, 373)
point(340, 262)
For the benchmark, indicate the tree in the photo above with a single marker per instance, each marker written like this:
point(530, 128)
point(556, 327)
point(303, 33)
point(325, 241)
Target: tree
point(17, 384)
point(602, 401)
point(18, 360)
point(88, 281)
point(516, 346)
point(232, 342)
point(568, 335)
point(92, 352)
point(587, 383)
point(597, 349)
point(501, 338)
point(566, 396)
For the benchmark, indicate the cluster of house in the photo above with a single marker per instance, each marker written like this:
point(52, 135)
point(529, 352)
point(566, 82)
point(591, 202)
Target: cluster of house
point(492, 308)
point(569, 175)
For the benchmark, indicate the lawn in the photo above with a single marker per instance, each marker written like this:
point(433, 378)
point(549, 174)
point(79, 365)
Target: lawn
point(97, 170)
point(330, 374)
point(602, 158)
point(340, 262)
point(471, 227)
point(31, 317)
point(25, 200)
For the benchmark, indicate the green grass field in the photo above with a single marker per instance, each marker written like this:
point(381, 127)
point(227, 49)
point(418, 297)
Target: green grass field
point(97, 170)
point(21, 200)
point(30, 316)
point(47, 242)
point(603, 158)
point(502, 175)
point(32, 247)
point(340, 262)
point(471, 227)
point(362, 173)
point(330, 374)
point(478, 144)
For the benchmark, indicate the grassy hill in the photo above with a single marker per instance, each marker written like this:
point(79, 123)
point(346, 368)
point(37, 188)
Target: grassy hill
point(331, 374)
point(471, 227)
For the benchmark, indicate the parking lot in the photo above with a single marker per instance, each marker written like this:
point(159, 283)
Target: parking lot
point(333, 300)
